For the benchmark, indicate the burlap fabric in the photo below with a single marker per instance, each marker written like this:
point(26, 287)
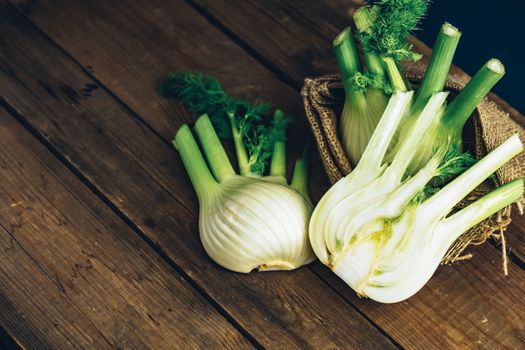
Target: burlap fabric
point(323, 99)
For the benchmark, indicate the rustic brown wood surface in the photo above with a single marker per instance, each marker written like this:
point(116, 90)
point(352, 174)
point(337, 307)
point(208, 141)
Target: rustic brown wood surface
point(143, 178)
point(83, 85)
point(74, 275)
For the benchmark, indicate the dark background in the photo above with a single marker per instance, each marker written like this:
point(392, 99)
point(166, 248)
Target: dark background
point(490, 30)
point(6, 343)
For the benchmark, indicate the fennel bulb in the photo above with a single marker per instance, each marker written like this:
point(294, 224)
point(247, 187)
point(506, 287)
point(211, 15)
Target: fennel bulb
point(247, 221)
point(380, 230)
point(364, 99)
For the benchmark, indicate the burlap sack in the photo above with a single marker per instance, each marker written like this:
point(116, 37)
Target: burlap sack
point(323, 99)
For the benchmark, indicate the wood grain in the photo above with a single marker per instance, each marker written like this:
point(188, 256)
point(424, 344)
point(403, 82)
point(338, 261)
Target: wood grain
point(295, 36)
point(75, 276)
point(141, 174)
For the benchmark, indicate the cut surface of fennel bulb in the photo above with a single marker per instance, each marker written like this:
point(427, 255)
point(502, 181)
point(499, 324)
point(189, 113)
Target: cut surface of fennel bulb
point(247, 222)
point(380, 231)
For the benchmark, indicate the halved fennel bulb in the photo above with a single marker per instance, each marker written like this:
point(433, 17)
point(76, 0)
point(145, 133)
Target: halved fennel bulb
point(247, 222)
point(380, 231)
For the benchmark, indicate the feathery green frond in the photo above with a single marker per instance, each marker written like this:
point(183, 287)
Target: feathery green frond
point(391, 24)
point(455, 163)
point(259, 144)
point(363, 81)
point(203, 94)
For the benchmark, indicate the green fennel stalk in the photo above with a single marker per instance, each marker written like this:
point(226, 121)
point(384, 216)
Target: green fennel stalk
point(448, 123)
point(438, 66)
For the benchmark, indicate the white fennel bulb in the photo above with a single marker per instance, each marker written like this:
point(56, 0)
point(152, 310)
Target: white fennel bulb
point(365, 98)
point(381, 230)
point(253, 223)
point(247, 222)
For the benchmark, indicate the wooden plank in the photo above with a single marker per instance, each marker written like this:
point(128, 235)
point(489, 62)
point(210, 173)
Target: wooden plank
point(400, 322)
point(297, 39)
point(75, 276)
point(295, 36)
point(142, 175)
point(159, 38)
point(516, 238)
point(154, 43)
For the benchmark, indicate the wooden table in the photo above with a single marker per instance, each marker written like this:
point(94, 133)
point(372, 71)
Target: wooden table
point(98, 225)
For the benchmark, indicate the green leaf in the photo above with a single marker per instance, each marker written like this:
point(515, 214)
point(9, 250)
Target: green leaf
point(392, 22)
point(362, 81)
point(454, 164)
point(203, 94)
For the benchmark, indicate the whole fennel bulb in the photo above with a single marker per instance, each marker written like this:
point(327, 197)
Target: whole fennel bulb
point(247, 222)
point(380, 230)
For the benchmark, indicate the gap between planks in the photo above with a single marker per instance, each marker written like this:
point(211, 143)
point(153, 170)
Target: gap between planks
point(268, 64)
